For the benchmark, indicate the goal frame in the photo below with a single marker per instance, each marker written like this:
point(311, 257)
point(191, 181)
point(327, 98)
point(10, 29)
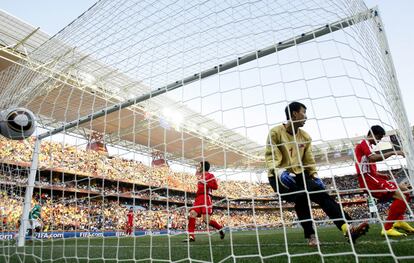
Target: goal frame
point(395, 101)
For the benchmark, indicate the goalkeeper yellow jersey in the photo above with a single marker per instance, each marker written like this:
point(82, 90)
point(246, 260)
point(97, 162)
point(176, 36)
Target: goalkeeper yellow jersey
point(282, 151)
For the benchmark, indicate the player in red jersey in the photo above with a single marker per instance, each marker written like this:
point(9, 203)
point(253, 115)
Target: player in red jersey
point(203, 205)
point(130, 222)
point(379, 185)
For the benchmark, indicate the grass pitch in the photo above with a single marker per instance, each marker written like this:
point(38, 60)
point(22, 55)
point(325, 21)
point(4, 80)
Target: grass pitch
point(242, 246)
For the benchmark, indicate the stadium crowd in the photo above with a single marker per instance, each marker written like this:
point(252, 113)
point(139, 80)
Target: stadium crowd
point(113, 189)
point(98, 212)
point(69, 159)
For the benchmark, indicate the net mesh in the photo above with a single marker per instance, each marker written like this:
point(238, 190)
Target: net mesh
point(246, 60)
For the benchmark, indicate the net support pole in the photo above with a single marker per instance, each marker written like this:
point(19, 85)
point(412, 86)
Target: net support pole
point(394, 98)
point(24, 220)
point(304, 37)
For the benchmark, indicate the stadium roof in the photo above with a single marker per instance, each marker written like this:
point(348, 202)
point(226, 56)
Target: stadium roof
point(64, 95)
point(143, 126)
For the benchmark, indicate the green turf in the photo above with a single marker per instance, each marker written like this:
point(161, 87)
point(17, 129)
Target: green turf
point(249, 246)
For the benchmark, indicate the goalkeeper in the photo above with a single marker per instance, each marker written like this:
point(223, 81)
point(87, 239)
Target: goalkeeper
point(292, 174)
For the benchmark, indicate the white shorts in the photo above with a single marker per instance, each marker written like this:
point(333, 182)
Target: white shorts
point(34, 223)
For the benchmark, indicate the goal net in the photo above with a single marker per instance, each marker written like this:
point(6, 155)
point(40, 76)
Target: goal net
point(132, 95)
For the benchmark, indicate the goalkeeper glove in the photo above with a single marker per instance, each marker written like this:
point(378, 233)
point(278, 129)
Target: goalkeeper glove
point(287, 179)
point(319, 182)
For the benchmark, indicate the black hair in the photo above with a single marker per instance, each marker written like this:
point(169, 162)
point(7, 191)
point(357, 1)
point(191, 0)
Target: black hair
point(376, 130)
point(293, 106)
point(205, 165)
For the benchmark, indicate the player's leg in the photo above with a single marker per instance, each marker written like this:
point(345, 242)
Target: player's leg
point(38, 229)
point(303, 211)
point(191, 223)
point(35, 226)
point(301, 207)
point(386, 190)
point(397, 211)
point(128, 229)
point(331, 208)
point(30, 228)
point(30, 232)
point(304, 214)
point(207, 211)
point(335, 213)
point(211, 222)
point(389, 190)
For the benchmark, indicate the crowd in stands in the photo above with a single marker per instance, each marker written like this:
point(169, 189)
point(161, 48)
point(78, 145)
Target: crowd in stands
point(348, 182)
point(121, 176)
point(98, 214)
point(71, 159)
point(112, 189)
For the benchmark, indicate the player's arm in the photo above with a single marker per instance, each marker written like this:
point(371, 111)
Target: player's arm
point(273, 155)
point(308, 160)
point(377, 157)
point(209, 182)
point(212, 183)
point(309, 164)
point(385, 176)
point(274, 162)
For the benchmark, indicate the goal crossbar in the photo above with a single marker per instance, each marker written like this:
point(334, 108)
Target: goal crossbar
point(302, 38)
